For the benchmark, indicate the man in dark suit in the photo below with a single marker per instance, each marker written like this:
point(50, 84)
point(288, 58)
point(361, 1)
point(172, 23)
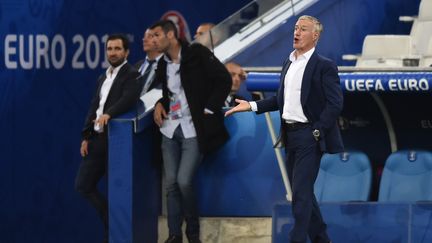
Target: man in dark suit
point(194, 86)
point(116, 93)
point(309, 100)
point(238, 76)
point(204, 37)
point(147, 66)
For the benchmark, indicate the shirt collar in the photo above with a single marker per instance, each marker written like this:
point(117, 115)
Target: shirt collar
point(168, 60)
point(156, 59)
point(115, 69)
point(307, 55)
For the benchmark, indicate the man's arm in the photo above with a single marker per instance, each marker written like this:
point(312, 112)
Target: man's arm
point(333, 96)
point(87, 130)
point(220, 79)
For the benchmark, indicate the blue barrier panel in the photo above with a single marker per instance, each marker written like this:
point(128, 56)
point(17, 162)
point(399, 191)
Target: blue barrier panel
point(242, 178)
point(134, 184)
point(364, 222)
point(421, 226)
point(356, 82)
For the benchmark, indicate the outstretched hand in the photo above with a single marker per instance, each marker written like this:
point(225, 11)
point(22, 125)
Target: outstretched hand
point(241, 107)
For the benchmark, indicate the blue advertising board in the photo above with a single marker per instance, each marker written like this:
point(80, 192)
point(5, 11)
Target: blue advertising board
point(52, 52)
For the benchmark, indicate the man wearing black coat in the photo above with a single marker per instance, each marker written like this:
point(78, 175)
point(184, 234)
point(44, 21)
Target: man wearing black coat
point(194, 86)
point(116, 93)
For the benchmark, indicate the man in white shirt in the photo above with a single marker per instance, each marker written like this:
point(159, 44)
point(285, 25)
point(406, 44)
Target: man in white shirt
point(117, 92)
point(309, 100)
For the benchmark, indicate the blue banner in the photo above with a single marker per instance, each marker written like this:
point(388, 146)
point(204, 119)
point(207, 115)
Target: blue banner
point(356, 82)
point(52, 52)
point(387, 81)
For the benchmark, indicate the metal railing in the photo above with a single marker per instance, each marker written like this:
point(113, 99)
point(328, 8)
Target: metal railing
point(250, 24)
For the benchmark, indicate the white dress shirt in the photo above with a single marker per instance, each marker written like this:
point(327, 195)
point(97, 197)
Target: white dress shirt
point(174, 85)
point(111, 74)
point(293, 110)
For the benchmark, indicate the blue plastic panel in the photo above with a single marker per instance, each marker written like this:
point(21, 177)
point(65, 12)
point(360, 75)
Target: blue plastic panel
point(242, 178)
point(364, 222)
point(134, 184)
point(356, 82)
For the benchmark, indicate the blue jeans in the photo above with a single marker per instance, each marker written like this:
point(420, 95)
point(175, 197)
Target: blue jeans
point(181, 157)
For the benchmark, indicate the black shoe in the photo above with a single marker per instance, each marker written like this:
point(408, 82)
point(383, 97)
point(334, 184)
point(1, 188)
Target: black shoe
point(194, 239)
point(174, 239)
point(105, 240)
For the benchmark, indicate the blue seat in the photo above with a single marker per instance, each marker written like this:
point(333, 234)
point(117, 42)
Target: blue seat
point(407, 177)
point(343, 177)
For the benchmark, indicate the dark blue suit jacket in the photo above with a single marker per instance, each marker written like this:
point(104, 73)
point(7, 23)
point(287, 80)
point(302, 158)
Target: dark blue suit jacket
point(321, 99)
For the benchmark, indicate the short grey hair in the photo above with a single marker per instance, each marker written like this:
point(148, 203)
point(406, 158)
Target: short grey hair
point(318, 27)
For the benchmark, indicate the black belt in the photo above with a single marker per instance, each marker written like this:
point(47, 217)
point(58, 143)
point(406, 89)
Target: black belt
point(297, 125)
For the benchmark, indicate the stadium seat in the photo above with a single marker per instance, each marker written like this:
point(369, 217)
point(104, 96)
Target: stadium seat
point(427, 59)
point(421, 34)
point(425, 13)
point(399, 50)
point(407, 177)
point(421, 30)
point(344, 177)
point(385, 51)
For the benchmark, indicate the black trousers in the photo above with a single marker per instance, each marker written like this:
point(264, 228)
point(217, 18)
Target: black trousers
point(92, 168)
point(303, 161)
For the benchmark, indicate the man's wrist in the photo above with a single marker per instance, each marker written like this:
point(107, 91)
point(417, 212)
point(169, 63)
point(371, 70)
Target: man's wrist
point(253, 106)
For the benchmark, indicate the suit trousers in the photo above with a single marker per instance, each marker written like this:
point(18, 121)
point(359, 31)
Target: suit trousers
point(93, 167)
point(303, 156)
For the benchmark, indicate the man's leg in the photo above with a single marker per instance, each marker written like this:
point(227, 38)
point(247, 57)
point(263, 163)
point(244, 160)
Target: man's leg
point(92, 169)
point(190, 160)
point(317, 228)
point(304, 158)
point(171, 152)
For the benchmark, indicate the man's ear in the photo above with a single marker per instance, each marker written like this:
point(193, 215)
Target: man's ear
point(315, 36)
point(170, 34)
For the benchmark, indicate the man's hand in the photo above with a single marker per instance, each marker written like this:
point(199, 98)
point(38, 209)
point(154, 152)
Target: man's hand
point(159, 114)
point(84, 148)
point(103, 120)
point(242, 106)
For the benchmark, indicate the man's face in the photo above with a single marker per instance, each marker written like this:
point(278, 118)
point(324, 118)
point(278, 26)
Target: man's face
point(304, 36)
point(202, 34)
point(160, 39)
point(201, 30)
point(148, 44)
point(238, 75)
point(115, 52)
